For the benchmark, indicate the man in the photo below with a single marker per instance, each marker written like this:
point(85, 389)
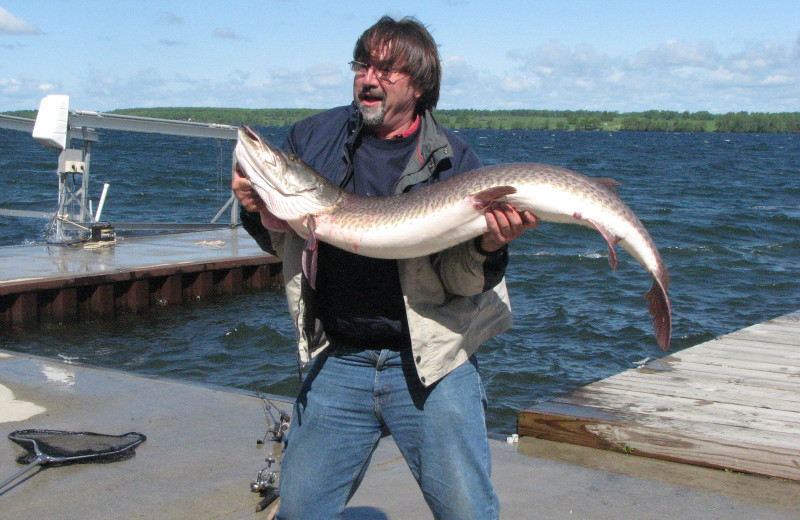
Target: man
point(397, 336)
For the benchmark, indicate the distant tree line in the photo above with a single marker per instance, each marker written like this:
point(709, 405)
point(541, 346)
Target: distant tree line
point(228, 116)
point(648, 121)
point(759, 122)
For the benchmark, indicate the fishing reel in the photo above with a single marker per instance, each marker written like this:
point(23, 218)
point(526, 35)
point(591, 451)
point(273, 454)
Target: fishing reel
point(277, 427)
point(266, 477)
point(266, 482)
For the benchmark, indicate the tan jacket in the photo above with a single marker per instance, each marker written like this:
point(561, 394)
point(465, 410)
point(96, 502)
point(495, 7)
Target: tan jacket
point(449, 316)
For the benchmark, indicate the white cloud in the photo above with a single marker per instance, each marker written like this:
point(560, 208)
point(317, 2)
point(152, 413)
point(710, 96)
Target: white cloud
point(10, 85)
point(170, 43)
point(226, 33)
point(796, 50)
point(24, 92)
point(10, 24)
point(169, 18)
point(675, 75)
point(779, 79)
point(314, 87)
point(675, 54)
point(461, 80)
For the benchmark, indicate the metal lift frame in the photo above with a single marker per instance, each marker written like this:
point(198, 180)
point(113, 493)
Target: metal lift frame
point(82, 125)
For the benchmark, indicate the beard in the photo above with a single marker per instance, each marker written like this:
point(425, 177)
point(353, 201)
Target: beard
point(372, 115)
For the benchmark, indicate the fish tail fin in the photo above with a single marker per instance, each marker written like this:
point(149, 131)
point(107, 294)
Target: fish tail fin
point(661, 312)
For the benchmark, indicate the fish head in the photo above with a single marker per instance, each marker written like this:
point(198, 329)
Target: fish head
point(266, 166)
point(290, 188)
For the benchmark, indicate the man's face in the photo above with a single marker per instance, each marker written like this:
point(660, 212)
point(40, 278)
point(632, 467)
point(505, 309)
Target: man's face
point(387, 100)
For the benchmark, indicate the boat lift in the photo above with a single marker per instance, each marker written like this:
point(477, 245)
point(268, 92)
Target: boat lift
point(56, 126)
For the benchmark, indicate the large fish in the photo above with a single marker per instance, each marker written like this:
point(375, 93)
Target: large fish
point(446, 213)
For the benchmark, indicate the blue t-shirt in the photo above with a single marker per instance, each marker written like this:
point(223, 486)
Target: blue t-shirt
point(367, 310)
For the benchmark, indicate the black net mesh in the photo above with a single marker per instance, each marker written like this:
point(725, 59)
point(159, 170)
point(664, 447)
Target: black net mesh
point(55, 446)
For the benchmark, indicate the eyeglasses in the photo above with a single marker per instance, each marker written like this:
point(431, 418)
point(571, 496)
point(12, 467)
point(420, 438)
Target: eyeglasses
point(381, 74)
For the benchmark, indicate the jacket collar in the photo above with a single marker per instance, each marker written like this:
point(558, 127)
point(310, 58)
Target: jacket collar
point(432, 148)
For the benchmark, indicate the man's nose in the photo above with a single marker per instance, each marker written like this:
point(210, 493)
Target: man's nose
point(370, 76)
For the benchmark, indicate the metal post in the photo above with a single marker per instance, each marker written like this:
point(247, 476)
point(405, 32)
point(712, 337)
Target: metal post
point(235, 205)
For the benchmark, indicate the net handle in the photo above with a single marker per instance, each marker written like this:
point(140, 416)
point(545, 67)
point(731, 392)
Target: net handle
point(38, 460)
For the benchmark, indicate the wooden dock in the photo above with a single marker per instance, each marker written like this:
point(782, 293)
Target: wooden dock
point(731, 403)
point(43, 283)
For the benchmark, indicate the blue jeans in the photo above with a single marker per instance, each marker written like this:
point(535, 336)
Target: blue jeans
point(350, 399)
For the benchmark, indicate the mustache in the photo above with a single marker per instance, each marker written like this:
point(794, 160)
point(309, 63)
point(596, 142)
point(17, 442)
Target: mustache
point(372, 93)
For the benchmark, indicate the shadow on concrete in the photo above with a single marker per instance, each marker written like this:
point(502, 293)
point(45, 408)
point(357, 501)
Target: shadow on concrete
point(364, 513)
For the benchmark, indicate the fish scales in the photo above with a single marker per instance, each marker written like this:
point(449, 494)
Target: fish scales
point(435, 217)
point(420, 202)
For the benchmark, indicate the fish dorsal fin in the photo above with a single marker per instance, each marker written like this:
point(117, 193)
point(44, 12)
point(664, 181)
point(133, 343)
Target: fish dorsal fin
point(609, 183)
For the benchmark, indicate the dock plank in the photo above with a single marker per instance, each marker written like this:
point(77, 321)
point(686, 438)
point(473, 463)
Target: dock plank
point(758, 351)
point(674, 441)
point(728, 403)
point(689, 368)
point(678, 424)
point(698, 410)
point(735, 360)
point(714, 390)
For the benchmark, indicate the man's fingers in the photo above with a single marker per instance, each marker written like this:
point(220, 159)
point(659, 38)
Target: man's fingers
point(531, 220)
point(244, 191)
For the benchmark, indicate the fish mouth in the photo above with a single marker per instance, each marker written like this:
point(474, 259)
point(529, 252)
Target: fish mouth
point(258, 150)
point(257, 158)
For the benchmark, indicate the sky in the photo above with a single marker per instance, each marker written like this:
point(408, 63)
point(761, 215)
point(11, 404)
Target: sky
point(617, 55)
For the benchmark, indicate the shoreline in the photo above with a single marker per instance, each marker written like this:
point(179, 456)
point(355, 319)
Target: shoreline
point(516, 119)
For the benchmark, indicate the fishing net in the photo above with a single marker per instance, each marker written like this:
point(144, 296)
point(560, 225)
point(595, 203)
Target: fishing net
point(56, 447)
point(61, 446)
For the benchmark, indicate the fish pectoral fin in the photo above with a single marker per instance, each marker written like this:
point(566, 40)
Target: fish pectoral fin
point(610, 240)
point(311, 328)
point(270, 221)
point(483, 199)
point(311, 254)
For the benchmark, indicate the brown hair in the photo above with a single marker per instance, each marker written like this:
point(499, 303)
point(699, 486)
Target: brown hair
point(408, 47)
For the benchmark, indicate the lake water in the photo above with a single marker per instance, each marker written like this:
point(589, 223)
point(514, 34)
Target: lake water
point(724, 210)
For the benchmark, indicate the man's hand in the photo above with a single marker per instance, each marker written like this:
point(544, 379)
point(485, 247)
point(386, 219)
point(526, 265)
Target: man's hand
point(245, 193)
point(505, 224)
point(251, 201)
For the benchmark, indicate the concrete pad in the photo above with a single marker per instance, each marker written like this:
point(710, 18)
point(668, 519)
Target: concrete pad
point(561, 487)
point(201, 455)
point(198, 460)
